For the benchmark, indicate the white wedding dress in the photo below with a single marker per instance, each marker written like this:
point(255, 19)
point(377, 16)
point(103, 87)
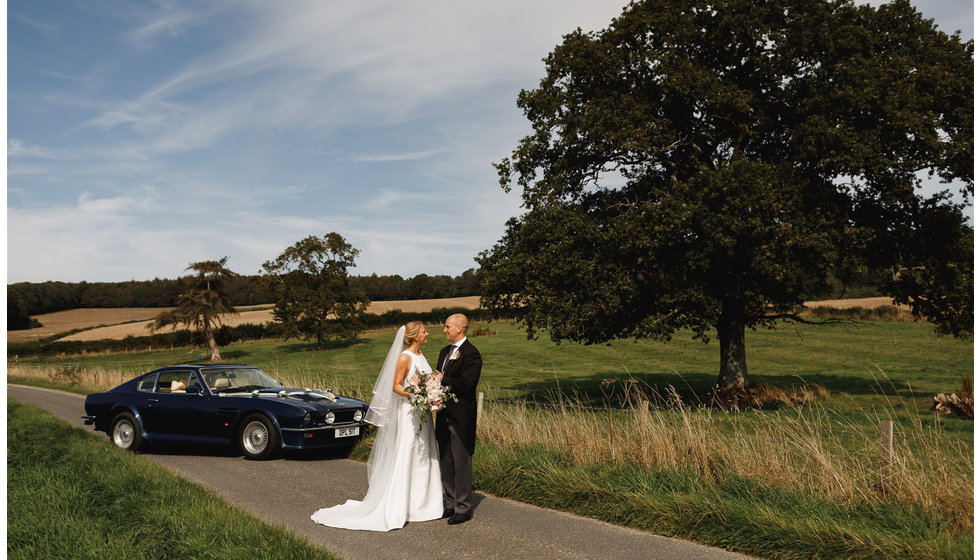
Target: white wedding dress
point(403, 472)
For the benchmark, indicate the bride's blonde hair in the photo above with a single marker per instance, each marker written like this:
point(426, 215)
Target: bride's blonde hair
point(412, 331)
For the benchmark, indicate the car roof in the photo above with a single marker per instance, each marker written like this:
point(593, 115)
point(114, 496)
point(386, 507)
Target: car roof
point(200, 366)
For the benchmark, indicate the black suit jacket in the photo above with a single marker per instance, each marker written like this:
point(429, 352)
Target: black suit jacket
point(461, 376)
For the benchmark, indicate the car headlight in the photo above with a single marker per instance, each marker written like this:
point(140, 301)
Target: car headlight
point(307, 417)
point(330, 417)
point(358, 414)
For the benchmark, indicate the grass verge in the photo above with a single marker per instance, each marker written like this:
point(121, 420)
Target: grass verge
point(71, 496)
point(795, 483)
point(730, 512)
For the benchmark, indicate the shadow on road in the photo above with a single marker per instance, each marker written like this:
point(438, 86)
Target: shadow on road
point(189, 449)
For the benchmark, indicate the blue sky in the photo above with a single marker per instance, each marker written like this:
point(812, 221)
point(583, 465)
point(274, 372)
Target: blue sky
point(142, 136)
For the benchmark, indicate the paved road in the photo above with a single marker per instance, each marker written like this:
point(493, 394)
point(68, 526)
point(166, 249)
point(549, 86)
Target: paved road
point(286, 491)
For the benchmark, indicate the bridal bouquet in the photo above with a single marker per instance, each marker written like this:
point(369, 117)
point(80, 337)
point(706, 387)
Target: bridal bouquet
point(427, 395)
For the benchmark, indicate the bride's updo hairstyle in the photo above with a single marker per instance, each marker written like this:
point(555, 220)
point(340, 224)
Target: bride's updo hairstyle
point(412, 331)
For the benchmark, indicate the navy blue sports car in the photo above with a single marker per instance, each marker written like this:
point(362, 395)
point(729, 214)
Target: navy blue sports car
point(220, 404)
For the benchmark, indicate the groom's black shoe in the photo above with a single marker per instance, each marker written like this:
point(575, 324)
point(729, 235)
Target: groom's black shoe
point(458, 518)
point(447, 513)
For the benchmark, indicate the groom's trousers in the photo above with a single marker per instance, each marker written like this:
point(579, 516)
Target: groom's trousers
point(456, 465)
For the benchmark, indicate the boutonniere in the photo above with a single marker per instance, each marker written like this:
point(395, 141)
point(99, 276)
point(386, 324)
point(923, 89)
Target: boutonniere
point(455, 355)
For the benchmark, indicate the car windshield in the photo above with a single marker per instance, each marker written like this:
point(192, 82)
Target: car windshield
point(225, 379)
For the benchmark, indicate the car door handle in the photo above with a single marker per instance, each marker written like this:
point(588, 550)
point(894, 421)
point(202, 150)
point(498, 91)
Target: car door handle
point(153, 400)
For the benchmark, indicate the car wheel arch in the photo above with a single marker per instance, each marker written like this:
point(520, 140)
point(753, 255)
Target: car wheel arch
point(274, 439)
point(130, 438)
point(242, 415)
point(119, 409)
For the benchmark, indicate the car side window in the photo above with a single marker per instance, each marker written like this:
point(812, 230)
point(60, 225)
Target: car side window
point(193, 385)
point(172, 381)
point(148, 384)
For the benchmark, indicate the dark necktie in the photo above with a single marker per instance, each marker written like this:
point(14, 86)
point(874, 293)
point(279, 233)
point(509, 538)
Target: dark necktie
point(445, 362)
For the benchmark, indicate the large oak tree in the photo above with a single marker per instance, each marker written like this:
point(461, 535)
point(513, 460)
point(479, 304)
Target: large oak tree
point(702, 165)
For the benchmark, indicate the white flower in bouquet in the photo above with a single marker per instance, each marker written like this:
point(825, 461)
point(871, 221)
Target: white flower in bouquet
point(427, 395)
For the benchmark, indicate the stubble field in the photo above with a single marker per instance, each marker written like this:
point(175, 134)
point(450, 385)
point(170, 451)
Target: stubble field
point(118, 323)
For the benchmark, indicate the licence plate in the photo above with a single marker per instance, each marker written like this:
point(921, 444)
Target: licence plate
point(346, 432)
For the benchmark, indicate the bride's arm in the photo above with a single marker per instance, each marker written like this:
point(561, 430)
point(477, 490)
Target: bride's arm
point(401, 371)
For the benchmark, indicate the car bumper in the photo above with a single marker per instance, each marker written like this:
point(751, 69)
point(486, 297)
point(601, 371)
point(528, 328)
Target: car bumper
point(89, 419)
point(321, 436)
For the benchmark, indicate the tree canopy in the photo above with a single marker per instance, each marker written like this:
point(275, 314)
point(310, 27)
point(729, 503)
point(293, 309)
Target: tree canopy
point(702, 165)
point(315, 298)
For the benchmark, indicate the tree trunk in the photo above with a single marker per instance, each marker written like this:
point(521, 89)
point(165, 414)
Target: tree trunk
point(215, 353)
point(731, 335)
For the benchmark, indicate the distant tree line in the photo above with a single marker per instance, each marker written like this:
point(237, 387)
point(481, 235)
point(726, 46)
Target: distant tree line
point(25, 299)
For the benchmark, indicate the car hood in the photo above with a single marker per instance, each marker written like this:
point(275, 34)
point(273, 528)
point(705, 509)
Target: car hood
point(321, 401)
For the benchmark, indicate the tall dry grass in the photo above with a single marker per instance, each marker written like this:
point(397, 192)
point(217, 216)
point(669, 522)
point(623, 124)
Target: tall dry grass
point(312, 379)
point(810, 448)
point(91, 379)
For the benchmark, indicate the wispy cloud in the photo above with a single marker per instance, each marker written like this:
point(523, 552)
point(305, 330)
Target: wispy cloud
point(171, 18)
point(18, 149)
point(410, 156)
point(45, 27)
point(326, 65)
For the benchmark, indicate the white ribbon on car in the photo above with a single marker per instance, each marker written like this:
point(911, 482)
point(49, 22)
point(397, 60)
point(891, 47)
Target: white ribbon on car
point(322, 395)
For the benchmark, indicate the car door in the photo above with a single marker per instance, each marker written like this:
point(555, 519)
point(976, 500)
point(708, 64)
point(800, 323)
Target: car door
point(144, 401)
point(201, 412)
point(165, 413)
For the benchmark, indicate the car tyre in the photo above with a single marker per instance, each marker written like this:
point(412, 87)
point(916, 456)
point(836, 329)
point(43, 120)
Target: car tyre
point(258, 438)
point(125, 432)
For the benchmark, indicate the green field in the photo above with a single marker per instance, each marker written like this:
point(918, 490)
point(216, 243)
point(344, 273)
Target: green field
point(560, 429)
point(851, 361)
point(95, 501)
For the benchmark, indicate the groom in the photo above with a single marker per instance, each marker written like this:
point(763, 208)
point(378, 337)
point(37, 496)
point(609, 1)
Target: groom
point(460, 364)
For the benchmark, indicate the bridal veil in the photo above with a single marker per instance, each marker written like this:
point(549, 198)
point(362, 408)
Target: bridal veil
point(382, 412)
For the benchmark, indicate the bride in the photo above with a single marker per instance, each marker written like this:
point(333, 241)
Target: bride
point(403, 468)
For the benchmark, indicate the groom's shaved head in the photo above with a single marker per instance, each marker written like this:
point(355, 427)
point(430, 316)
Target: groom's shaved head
point(459, 320)
point(455, 328)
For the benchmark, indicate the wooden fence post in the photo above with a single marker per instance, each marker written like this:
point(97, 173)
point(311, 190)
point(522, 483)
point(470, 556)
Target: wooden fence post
point(887, 453)
point(479, 407)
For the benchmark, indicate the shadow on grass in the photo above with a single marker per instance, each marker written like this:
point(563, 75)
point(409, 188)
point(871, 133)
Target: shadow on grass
point(854, 385)
point(227, 355)
point(297, 347)
point(613, 387)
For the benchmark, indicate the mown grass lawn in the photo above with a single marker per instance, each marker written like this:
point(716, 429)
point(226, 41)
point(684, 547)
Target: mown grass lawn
point(69, 495)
